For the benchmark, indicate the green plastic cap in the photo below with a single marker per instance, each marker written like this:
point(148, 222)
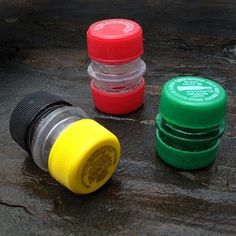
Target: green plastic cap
point(193, 102)
point(183, 159)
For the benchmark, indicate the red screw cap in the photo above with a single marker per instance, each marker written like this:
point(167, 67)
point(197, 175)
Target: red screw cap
point(115, 41)
point(118, 103)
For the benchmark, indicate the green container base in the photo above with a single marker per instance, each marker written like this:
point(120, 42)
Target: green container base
point(185, 160)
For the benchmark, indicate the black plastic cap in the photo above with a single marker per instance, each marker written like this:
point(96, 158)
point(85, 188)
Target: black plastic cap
point(28, 111)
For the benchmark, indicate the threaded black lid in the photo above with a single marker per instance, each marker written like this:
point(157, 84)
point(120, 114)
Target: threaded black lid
point(28, 111)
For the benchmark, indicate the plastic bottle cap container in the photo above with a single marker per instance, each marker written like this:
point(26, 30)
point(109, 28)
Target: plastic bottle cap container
point(116, 70)
point(78, 152)
point(190, 121)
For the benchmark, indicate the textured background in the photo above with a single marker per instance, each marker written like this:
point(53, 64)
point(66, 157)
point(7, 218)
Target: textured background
point(42, 46)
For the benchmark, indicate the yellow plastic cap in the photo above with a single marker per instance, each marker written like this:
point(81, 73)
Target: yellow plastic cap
point(84, 156)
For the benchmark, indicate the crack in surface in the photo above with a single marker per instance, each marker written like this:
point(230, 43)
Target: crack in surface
point(145, 122)
point(115, 118)
point(232, 61)
point(16, 206)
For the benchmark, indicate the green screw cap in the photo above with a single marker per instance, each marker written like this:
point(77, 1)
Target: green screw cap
point(184, 159)
point(190, 122)
point(193, 102)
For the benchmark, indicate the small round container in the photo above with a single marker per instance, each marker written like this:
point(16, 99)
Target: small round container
point(77, 151)
point(115, 47)
point(190, 122)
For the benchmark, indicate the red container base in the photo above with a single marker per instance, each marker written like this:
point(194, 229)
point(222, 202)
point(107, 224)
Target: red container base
point(118, 103)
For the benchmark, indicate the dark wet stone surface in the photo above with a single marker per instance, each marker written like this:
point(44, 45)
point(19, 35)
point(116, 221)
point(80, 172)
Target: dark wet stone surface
point(42, 46)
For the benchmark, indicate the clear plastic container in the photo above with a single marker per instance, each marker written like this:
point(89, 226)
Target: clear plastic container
point(48, 129)
point(117, 78)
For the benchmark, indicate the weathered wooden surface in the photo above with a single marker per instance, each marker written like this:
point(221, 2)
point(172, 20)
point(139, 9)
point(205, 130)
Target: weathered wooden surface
point(42, 46)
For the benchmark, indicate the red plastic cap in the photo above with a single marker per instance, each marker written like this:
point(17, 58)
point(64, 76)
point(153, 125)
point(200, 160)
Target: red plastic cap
point(115, 41)
point(118, 103)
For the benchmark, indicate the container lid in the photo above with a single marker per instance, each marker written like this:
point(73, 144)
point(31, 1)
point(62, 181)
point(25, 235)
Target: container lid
point(114, 41)
point(28, 111)
point(84, 156)
point(193, 102)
